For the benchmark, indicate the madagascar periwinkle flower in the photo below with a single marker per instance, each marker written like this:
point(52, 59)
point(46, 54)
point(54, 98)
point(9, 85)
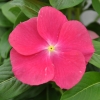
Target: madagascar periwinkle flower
point(50, 48)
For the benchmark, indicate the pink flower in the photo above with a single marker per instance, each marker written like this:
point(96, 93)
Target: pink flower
point(50, 48)
point(93, 35)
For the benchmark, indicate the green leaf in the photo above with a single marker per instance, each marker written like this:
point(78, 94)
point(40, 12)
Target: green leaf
point(1, 3)
point(4, 45)
point(48, 94)
point(87, 89)
point(91, 67)
point(9, 85)
point(62, 4)
point(32, 7)
point(53, 94)
point(7, 13)
point(4, 22)
point(30, 93)
point(96, 46)
point(29, 12)
point(21, 17)
point(46, 1)
point(29, 7)
point(2, 31)
point(95, 60)
point(41, 96)
point(15, 10)
point(96, 5)
point(3, 0)
point(5, 70)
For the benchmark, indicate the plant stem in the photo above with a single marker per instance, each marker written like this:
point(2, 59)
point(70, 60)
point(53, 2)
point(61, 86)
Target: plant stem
point(47, 92)
point(69, 13)
point(77, 13)
point(61, 91)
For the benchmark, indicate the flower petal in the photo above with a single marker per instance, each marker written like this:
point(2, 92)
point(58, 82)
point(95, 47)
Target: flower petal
point(33, 70)
point(49, 23)
point(69, 68)
point(25, 38)
point(74, 36)
point(93, 35)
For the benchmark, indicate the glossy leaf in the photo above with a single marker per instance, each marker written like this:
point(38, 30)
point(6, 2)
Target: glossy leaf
point(41, 96)
point(29, 12)
point(5, 71)
point(91, 67)
point(87, 89)
point(6, 11)
point(32, 6)
point(29, 7)
point(1, 3)
point(9, 85)
point(21, 17)
point(3, 21)
point(62, 4)
point(95, 60)
point(30, 93)
point(3, 0)
point(2, 31)
point(48, 94)
point(15, 10)
point(4, 45)
point(96, 5)
point(96, 46)
point(53, 94)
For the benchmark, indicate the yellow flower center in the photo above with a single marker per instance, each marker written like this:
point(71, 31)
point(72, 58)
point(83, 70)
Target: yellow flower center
point(51, 48)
